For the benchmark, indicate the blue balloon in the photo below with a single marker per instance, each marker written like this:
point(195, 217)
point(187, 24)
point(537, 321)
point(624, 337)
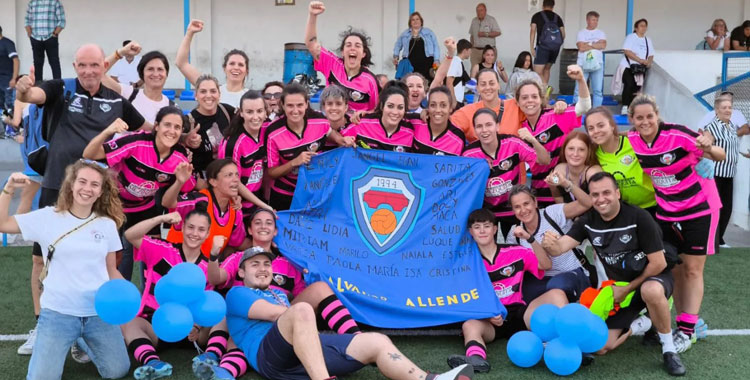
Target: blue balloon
point(597, 337)
point(209, 309)
point(163, 291)
point(172, 322)
point(186, 283)
point(525, 349)
point(562, 357)
point(543, 322)
point(572, 322)
point(117, 301)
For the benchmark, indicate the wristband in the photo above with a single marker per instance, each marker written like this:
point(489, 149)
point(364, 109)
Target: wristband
point(213, 258)
point(7, 192)
point(531, 239)
point(117, 55)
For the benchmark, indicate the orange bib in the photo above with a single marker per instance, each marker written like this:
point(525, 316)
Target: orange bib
point(175, 236)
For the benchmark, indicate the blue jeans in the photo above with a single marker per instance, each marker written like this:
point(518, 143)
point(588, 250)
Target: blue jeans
point(56, 333)
point(597, 79)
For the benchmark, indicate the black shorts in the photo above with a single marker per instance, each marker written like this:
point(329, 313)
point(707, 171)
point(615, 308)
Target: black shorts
point(48, 197)
point(626, 316)
point(692, 237)
point(277, 360)
point(544, 56)
point(513, 322)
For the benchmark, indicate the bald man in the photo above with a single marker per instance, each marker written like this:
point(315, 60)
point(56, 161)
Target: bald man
point(74, 117)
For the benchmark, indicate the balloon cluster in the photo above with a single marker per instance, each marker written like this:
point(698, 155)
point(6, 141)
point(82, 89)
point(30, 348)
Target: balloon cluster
point(182, 300)
point(569, 332)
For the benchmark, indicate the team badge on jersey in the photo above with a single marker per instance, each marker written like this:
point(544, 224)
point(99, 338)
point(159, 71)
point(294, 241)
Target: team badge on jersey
point(313, 147)
point(162, 177)
point(625, 238)
point(507, 271)
point(399, 149)
point(666, 158)
point(356, 96)
point(279, 279)
point(626, 160)
point(385, 203)
point(543, 137)
point(505, 165)
point(112, 144)
point(105, 107)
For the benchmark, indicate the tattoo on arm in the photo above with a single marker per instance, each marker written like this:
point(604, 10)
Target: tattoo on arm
point(394, 356)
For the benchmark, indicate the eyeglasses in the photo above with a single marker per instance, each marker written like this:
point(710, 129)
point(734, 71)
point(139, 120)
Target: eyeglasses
point(92, 162)
point(272, 95)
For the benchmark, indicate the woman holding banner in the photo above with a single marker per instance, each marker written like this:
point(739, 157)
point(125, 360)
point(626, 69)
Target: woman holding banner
point(500, 152)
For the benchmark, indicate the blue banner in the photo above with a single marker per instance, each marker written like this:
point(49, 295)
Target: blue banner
point(388, 232)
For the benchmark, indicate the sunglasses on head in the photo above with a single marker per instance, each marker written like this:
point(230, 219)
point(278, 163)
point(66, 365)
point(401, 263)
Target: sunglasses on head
point(272, 95)
point(92, 162)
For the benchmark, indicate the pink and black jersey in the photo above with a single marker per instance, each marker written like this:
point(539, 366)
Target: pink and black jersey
point(330, 145)
point(286, 277)
point(505, 169)
point(670, 160)
point(362, 88)
point(250, 156)
point(159, 257)
point(284, 145)
point(140, 171)
point(371, 133)
point(186, 203)
point(550, 130)
point(506, 272)
point(450, 142)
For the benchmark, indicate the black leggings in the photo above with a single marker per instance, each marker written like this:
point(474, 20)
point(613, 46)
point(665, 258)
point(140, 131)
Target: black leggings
point(629, 87)
point(725, 186)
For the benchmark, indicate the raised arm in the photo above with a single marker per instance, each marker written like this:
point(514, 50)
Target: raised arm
point(541, 255)
point(95, 149)
point(26, 92)
point(311, 30)
point(182, 173)
point(133, 48)
point(584, 97)
point(542, 155)
point(183, 52)
point(8, 223)
point(136, 233)
point(217, 275)
point(442, 71)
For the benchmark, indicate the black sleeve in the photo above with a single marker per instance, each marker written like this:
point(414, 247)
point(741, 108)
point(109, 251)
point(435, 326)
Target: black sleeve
point(535, 19)
point(649, 233)
point(131, 116)
point(53, 90)
point(560, 21)
point(734, 35)
point(578, 230)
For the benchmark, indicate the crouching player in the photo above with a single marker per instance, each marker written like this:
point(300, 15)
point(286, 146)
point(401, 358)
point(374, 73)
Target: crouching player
point(628, 242)
point(282, 340)
point(159, 257)
point(506, 266)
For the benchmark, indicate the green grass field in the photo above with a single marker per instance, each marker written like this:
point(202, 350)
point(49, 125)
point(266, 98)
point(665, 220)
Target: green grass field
point(726, 306)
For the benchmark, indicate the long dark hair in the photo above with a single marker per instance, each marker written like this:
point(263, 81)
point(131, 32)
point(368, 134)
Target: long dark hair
point(172, 110)
point(521, 60)
point(237, 124)
point(393, 87)
point(367, 59)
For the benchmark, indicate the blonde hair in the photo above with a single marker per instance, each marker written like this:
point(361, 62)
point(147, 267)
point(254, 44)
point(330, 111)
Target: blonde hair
point(642, 99)
point(108, 204)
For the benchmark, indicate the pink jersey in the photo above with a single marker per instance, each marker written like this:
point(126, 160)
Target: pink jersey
point(283, 145)
point(286, 277)
point(505, 169)
point(159, 257)
point(451, 142)
point(371, 133)
point(670, 160)
point(550, 130)
point(362, 88)
point(250, 156)
point(186, 203)
point(140, 171)
point(506, 272)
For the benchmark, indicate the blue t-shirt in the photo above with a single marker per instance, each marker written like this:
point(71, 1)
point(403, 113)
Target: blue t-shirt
point(248, 333)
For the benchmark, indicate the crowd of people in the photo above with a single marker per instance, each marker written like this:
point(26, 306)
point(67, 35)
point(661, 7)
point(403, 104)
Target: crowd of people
point(124, 160)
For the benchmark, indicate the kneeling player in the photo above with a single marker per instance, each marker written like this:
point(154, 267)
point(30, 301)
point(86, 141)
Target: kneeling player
point(282, 340)
point(506, 266)
point(159, 257)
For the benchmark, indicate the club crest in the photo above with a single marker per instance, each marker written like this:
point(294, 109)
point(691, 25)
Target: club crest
point(667, 158)
point(385, 204)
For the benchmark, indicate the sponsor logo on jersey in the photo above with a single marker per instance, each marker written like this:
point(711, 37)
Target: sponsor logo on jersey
point(502, 291)
point(661, 179)
point(597, 241)
point(497, 186)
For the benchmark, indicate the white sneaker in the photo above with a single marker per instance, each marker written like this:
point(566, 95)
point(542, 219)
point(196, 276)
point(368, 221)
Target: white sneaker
point(725, 245)
point(682, 342)
point(640, 325)
point(78, 354)
point(28, 346)
point(624, 110)
point(462, 372)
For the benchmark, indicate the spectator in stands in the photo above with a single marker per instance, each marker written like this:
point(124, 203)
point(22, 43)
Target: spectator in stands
point(740, 37)
point(351, 71)
point(738, 118)
point(639, 55)
point(490, 61)
point(45, 19)
point(726, 134)
point(125, 69)
point(482, 32)
point(717, 38)
point(236, 66)
point(522, 70)
point(417, 44)
point(8, 71)
point(549, 31)
point(457, 76)
point(80, 239)
point(272, 96)
point(590, 42)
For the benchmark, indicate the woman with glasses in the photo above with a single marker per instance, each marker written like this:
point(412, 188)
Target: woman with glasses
point(272, 96)
point(146, 164)
point(79, 239)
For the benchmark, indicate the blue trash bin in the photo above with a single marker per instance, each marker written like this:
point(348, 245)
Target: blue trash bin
point(297, 60)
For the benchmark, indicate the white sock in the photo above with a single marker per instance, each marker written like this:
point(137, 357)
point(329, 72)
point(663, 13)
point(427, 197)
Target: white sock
point(667, 344)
